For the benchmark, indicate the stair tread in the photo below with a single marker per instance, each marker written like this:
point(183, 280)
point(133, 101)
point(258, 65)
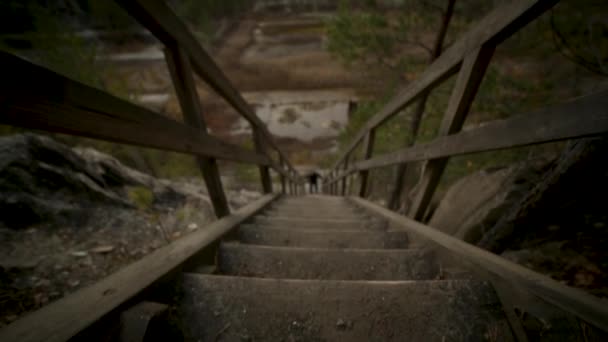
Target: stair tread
point(315, 310)
point(292, 222)
point(325, 263)
point(315, 237)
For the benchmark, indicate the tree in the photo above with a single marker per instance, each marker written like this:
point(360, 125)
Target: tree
point(446, 15)
point(365, 34)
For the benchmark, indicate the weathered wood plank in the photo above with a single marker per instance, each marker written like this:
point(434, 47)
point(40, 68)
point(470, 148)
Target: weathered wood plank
point(179, 67)
point(34, 97)
point(589, 308)
point(345, 179)
point(282, 176)
point(137, 320)
point(581, 117)
point(497, 26)
point(163, 23)
point(368, 149)
point(467, 83)
point(264, 170)
point(61, 320)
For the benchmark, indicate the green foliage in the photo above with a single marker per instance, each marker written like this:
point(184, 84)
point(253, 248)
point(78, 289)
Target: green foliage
point(526, 74)
point(202, 16)
point(246, 174)
point(141, 196)
point(53, 44)
point(353, 36)
point(110, 16)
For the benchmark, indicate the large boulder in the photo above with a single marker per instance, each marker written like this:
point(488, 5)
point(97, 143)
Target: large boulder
point(44, 181)
point(476, 202)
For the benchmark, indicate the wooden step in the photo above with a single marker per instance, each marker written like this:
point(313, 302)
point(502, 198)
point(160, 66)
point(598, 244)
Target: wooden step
point(322, 263)
point(315, 215)
point(220, 308)
point(321, 238)
point(320, 223)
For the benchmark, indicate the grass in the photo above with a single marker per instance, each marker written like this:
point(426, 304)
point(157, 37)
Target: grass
point(141, 196)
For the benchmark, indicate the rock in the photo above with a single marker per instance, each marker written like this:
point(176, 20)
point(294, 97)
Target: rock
point(192, 226)
point(102, 249)
point(475, 203)
point(44, 181)
point(79, 254)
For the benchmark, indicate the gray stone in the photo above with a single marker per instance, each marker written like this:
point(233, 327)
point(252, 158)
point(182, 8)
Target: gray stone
point(474, 203)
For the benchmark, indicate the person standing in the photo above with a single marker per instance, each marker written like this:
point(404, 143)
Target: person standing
point(313, 179)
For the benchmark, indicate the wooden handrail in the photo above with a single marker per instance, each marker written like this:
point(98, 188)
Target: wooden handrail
point(61, 320)
point(582, 117)
point(37, 98)
point(159, 18)
point(497, 26)
point(589, 308)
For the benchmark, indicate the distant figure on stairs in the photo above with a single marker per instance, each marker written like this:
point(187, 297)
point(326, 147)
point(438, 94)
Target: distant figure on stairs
point(313, 178)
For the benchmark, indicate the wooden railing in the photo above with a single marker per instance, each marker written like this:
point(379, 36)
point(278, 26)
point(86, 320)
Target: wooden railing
point(34, 97)
point(470, 57)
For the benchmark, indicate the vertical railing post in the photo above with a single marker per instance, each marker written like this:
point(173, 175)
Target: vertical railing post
point(345, 179)
point(467, 83)
point(264, 169)
point(368, 148)
point(281, 175)
point(179, 66)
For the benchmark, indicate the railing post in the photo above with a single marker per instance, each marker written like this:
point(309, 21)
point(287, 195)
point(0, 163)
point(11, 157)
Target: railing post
point(368, 148)
point(336, 183)
point(180, 69)
point(467, 83)
point(281, 175)
point(264, 169)
point(345, 179)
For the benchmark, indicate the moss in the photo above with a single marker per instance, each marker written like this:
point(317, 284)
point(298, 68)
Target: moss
point(141, 196)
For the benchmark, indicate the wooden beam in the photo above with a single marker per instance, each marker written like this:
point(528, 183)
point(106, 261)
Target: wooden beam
point(345, 167)
point(37, 98)
point(179, 67)
point(137, 323)
point(368, 149)
point(494, 28)
point(581, 117)
point(164, 24)
point(264, 170)
point(64, 318)
point(282, 163)
point(587, 307)
point(467, 83)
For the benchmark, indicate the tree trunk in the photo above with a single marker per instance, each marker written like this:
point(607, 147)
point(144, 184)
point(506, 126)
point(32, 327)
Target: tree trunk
point(395, 197)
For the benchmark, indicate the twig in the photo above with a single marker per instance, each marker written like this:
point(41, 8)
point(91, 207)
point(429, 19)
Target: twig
point(219, 333)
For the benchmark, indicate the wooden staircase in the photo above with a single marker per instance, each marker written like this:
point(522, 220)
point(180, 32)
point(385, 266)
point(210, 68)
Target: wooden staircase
point(317, 268)
point(312, 268)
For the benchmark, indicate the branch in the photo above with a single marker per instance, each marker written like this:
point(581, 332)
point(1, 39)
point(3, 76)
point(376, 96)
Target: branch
point(419, 44)
point(562, 46)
